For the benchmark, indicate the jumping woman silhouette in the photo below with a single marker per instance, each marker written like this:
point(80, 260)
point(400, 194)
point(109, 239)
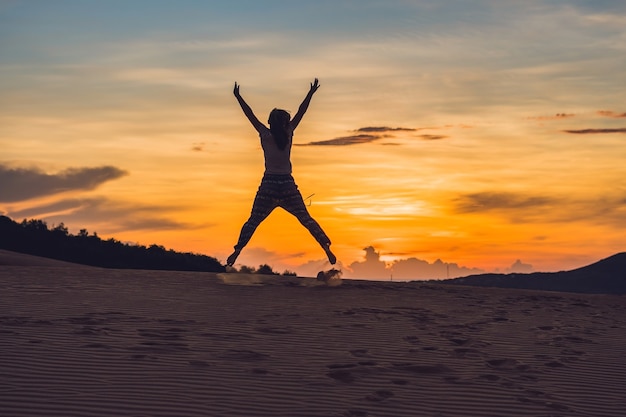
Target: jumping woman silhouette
point(278, 188)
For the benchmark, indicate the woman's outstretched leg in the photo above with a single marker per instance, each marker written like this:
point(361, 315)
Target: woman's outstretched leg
point(294, 204)
point(261, 208)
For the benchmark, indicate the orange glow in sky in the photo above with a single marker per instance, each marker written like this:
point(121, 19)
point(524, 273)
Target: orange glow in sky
point(489, 138)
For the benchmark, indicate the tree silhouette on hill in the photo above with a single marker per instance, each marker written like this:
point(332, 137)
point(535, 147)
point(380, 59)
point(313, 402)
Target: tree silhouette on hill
point(33, 237)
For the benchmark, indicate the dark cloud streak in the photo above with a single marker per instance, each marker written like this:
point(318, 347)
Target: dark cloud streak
point(380, 129)
point(557, 116)
point(345, 140)
point(118, 216)
point(607, 210)
point(432, 137)
point(609, 113)
point(370, 134)
point(19, 184)
point(488, 201)
point(596, 131)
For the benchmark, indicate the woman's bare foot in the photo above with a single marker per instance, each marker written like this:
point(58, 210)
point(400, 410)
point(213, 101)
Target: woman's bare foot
point(233, 257)
point(331, 256)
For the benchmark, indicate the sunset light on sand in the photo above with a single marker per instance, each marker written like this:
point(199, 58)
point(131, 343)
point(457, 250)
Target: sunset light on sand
point(487, 135)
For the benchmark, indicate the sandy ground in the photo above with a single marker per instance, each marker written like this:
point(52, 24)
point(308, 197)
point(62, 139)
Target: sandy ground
point(8, 258)
point(79, 341)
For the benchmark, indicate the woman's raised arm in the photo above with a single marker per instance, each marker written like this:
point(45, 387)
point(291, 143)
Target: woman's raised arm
point(247, 110)
point(305, 104)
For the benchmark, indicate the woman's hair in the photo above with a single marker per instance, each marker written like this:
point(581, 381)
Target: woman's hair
point(279, 120)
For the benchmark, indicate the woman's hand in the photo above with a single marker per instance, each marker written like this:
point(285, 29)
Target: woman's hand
point(236, 89)
point(314, 86)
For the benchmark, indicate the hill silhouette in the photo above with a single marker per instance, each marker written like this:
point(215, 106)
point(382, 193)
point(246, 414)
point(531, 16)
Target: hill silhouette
point(33, 237)
point(607, 276)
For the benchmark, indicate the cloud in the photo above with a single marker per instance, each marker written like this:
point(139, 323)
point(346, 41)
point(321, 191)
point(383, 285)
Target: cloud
point(432, 137)
point(116, 216)
point(20, 184)
point(413, 268)
point(417, 269)
point(380, 129)
point(198, 147)
point(604, 210)
point(557, 116)
point(488, 201)
point(379, 207)
point(609, 113)
point(405, 269)
point(345, 140)
point(519, 267)
point(596, 131)
point(371, 268)
point(369, 134)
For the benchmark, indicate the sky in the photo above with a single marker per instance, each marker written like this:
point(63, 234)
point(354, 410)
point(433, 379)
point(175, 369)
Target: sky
point(447, 137)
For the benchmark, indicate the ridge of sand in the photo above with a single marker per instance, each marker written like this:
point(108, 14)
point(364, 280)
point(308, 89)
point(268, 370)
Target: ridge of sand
point(9, 258)
point(99, 342)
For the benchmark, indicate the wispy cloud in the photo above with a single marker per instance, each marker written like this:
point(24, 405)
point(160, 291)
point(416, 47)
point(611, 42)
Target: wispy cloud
point(345, 140)
point(382, 129)
point(609, 113)
point(370, 134)
point(557, 116)
point(606, 210)
point(198, 147)
point(20, 184)
point(117, 216)
point(432, 137)
point(596, 131)
point(490, 201)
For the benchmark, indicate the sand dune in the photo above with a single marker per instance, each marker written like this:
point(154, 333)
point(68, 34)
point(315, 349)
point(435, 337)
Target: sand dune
point(97, 342)
point(9, 258)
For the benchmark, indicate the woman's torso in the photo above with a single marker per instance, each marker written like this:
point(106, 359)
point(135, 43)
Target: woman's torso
point(277, 161)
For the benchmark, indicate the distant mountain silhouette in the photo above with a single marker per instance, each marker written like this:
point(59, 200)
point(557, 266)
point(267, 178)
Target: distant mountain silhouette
point(607, 276)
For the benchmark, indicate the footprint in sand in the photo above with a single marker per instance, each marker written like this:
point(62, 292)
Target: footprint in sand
point(345, 372)
point(380, 395)
point(413, 340)
point(460, 341)
point(263, 371)
point(467, 352)
point(540, 398)
point(341, 375)
point(507, 364)
point(355, 413)
point(97, 346)
point(359, 353)
point(489, 377)
point(199, 364)
point(158, 347)
point(423, 369)
point(168, 334)
point(243, 355)
point(274, 330)
point(554, 364)
point(399, 382)
point(573, 352)
point(90, 331)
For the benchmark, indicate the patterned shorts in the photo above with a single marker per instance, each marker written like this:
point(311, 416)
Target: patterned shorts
point(279, 191)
